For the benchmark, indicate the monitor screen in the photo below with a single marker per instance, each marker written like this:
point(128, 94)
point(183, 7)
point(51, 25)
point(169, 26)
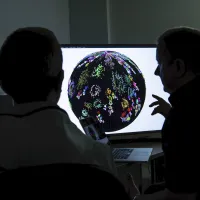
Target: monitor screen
point(114, 84)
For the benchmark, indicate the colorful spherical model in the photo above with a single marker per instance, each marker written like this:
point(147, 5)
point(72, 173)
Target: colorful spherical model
point(108, 86)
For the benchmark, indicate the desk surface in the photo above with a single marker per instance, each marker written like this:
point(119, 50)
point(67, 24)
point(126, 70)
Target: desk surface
point(157, 148)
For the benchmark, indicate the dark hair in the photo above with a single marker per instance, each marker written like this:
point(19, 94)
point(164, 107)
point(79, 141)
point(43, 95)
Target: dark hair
point(30, 62)
point(183, 43)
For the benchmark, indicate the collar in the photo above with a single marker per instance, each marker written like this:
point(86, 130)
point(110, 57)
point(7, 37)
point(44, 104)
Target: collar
point(21, 109)
point(186, 93)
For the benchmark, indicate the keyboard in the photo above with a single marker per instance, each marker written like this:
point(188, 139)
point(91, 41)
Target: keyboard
point(121, 153)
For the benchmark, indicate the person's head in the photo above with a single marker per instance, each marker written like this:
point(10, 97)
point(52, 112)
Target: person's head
point(178, 53)
point(31, 65)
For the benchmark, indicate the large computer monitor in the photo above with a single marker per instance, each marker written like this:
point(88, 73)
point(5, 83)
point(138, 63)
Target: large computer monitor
point(114, 84)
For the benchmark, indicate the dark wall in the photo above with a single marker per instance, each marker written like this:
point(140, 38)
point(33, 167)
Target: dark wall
point(52, 14)
point(88, 22)
point(142, 21)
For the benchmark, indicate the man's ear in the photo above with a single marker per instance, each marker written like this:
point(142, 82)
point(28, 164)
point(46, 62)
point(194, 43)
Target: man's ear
point(181, 68)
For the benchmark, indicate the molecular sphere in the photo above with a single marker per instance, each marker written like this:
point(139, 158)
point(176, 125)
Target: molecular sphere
point(108, 86)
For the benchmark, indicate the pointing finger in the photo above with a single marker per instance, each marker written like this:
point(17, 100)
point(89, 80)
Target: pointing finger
point(156, 97)
point(154, 104)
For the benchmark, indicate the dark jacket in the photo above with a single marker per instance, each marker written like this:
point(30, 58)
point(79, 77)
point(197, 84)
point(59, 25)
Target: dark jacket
point(180, 139)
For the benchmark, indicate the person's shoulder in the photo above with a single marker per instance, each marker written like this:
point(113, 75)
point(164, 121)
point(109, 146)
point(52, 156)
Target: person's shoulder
point(185, 112)
point(49, 112)
point(181, 124)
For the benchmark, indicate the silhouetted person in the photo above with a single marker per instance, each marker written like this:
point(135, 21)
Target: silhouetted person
point(37, 131)
point(178, 53)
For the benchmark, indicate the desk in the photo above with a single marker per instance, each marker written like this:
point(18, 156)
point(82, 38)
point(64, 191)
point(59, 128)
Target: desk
point(156, 153)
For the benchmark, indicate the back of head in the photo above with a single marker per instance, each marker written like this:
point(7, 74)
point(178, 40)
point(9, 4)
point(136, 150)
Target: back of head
point(31, 64)
point(183, 43)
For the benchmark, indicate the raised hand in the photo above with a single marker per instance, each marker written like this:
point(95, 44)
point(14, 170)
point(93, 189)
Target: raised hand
point(162, 107)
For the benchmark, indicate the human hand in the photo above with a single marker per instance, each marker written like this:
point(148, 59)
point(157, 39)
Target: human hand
point(132, 188)
point(162, 107)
